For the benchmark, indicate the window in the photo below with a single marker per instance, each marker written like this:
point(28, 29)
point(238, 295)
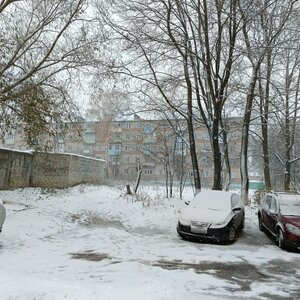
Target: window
point(127, 147)
point(114, 147)
point(137, 160)
point(9, 138)
point(206, 136)
point(126, 159)
point(149, 159)
point(138, 137)
point(273, 205)
point(235, 200)
point(128, 125)
point(137, 148)
point(89, 137)
point(159, 172)
point(267, 202)
point(206, 160)
point(60, 138)
point(205, 173)
point(87, 149)
point(148, 171)
point(127, 136)
point(126, 171)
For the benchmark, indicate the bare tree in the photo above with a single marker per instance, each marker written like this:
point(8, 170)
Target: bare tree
point(287, 105)
point(43, 44)
point(257, 16)
point(185, 51)
point(145, 58)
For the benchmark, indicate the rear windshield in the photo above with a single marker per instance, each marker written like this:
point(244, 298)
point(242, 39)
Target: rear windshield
point(290, 205)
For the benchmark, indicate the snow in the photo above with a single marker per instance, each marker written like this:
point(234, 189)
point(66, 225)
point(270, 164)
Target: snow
point(94, 242)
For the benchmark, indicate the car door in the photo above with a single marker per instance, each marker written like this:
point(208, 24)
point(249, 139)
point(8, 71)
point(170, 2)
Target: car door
point(265, 207)
point(271, 217)
point(273, 214)
point(236, 206)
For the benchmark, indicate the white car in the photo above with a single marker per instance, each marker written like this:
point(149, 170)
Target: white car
point(212, 215)
point(2, 214)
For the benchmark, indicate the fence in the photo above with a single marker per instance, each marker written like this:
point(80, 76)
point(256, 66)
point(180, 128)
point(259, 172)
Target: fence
point(50, 170)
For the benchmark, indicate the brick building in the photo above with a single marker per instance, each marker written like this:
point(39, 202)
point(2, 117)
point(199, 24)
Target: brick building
point(153, 145)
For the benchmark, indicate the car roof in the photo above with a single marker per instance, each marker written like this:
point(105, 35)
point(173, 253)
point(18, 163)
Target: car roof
point(213, 199)
point(284, 194)
point(221, 195)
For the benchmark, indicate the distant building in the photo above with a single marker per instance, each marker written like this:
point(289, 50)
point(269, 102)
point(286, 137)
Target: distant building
point(153, 145)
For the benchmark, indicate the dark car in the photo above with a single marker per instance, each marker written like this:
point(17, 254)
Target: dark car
point(279, 215)
point(212, 215)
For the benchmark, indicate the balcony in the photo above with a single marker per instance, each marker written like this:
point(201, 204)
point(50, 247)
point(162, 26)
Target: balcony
point(149, 139)
point(114, 152)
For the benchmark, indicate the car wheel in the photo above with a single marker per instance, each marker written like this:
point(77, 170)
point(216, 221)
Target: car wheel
point(280, 239)
point(231, 233)
point(260, 224)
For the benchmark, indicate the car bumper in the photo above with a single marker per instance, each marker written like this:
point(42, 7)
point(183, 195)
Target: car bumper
point(216, 234)
point(291, 240)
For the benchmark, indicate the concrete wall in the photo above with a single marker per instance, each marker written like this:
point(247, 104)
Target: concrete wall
point(50, 170)
point(58, 170)
point(15, 169)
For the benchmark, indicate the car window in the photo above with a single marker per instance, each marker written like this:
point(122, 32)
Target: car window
point(267, 202)
point(290, 205)
point(273, 205)
point(235, 200)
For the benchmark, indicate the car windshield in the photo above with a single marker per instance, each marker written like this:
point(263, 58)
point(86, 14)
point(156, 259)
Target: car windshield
point(217, 200)
point(290, 205)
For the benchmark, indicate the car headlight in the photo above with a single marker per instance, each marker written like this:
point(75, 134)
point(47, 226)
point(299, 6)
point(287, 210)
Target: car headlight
point(184, 222)
point(219, 224)
point(293, 229)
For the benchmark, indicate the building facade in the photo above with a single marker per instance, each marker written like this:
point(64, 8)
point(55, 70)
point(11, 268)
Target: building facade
point(155, 146)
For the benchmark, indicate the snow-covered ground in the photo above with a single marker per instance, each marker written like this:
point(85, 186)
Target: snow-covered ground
point(91, 242)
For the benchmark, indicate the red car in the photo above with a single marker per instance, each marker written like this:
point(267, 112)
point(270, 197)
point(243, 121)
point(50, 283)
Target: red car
point(279, 214)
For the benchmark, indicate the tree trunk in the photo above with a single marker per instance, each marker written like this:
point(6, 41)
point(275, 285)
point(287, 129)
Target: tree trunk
point(128, 190)
point(138, 179)
point(264, 115)
point(226, 156)
point(217, 184)
point(245, 139)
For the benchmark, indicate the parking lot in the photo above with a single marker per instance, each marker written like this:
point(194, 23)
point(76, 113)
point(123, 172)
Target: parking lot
point(95, 243)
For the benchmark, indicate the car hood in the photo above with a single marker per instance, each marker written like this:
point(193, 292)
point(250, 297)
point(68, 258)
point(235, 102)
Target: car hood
point(204, 215)
point(294, 220)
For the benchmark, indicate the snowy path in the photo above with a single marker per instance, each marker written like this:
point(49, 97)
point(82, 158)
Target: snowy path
point(90, 243)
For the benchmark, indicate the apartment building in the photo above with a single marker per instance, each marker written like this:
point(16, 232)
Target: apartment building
point(155, 146)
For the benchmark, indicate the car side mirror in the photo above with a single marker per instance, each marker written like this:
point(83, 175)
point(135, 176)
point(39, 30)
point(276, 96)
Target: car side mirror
point(272, 212)
point(187, 202)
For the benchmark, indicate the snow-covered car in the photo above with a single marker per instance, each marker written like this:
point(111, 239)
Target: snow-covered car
point(214, 215)
point(2, 214)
